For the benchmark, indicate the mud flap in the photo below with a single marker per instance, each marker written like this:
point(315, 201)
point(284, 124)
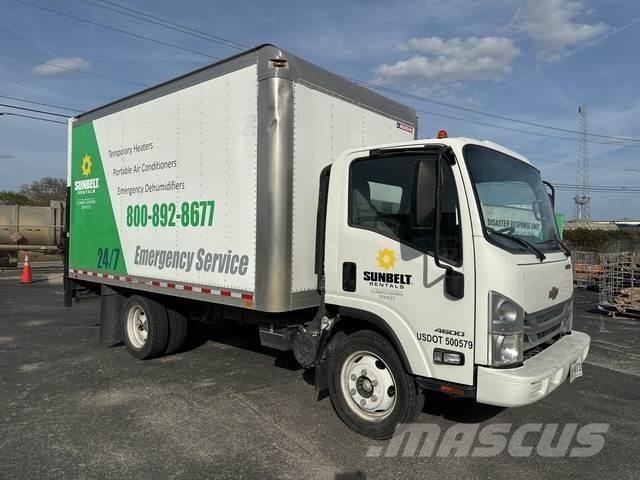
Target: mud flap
point(321, 384)
point(111, 303)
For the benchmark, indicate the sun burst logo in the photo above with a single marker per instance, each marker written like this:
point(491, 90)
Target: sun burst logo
point(86, 165)
point(386, 259)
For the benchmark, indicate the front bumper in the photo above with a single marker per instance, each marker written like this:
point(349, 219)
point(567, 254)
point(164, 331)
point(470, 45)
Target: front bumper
point(536, 378)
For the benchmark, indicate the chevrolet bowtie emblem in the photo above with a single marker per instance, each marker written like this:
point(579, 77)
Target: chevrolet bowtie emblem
point(553, 293)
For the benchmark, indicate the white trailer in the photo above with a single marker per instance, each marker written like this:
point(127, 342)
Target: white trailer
point(253, 190)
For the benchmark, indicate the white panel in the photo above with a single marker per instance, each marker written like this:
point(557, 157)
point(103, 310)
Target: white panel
point(210, 131)
point(324, 127)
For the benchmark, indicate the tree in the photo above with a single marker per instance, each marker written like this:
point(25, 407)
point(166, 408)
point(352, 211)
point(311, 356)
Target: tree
point(13, 198)
point(40, 192)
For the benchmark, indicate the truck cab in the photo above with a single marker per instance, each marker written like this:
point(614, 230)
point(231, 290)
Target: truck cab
point(448, 250)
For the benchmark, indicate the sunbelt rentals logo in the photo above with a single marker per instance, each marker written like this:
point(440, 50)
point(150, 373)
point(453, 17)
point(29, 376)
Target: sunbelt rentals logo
point(386, 261)
point(86, 185)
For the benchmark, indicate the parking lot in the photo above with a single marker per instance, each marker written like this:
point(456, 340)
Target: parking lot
point(227, 408)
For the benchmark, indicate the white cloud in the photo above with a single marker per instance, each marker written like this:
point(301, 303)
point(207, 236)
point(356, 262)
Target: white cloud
point(448, 61)
point(61, 66)
point(552, 25)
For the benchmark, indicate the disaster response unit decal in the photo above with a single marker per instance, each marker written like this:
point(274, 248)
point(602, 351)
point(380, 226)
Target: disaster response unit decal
point(155, 187)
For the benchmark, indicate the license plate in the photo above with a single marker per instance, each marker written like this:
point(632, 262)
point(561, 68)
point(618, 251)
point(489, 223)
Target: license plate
point(575, 371)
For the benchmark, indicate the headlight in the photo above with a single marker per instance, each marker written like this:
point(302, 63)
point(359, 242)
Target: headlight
point(507, 349)
point(506, 324)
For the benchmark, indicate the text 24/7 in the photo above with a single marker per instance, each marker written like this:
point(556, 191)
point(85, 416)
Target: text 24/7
point(108, 258)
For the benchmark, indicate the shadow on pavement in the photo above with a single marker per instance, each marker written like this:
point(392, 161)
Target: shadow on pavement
point(241, 336)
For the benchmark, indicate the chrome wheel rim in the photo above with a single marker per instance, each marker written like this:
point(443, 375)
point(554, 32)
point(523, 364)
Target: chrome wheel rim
point(137, 327)
point(368, 386)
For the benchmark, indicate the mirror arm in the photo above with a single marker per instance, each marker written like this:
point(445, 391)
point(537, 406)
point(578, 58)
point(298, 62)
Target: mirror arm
point(436, 240)
point(454, 281)
point(553, 193)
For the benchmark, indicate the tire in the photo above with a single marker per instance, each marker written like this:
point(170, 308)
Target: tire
point(366, 368)
point(177, 331)
point(145, 327)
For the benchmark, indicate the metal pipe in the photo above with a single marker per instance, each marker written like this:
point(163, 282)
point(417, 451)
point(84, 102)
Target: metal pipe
point(15, 248)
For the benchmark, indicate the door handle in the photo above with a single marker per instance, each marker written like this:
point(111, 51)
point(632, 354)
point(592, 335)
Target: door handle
point(349, 276)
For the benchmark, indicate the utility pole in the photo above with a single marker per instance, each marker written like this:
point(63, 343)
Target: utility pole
point(582, 197)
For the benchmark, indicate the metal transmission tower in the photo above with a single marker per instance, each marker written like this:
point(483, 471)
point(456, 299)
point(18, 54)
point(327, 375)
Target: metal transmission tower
point(582, 198)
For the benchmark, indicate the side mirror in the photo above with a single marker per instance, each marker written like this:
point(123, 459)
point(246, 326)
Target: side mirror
point(423, 211)
point(454, 284)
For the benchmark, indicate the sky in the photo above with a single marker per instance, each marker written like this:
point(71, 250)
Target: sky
point(532, 60)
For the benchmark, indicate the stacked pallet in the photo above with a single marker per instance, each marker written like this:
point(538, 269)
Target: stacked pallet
point(620, 283)
point(586, 273)
point(586, 269)
point(628, 301)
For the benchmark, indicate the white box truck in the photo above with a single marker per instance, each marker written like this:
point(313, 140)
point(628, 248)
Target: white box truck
point(265, 190)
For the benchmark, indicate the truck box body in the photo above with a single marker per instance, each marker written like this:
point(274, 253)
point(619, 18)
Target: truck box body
point(206, 186)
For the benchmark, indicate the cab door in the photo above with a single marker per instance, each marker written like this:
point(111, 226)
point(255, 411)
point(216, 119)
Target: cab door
point(386, 267)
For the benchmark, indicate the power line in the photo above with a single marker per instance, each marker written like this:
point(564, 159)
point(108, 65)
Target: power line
point(598, 188)
point(32, 117)
point(108, 27)
point(233, 44)
point(602, 192)
point(616, 189)
point(597, 192)
point(237, 45)
point(489, 114)
point(33, 102)
point(493, 125)
point(33, 110)
point(70, 69)
point(145, 17)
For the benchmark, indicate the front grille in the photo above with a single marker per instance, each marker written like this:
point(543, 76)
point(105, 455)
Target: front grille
point(544, 324)
point(544, 316)
point(548, 331)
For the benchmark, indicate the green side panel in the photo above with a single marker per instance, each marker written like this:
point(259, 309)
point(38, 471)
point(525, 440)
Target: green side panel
point(560, 224)
point(94, 242)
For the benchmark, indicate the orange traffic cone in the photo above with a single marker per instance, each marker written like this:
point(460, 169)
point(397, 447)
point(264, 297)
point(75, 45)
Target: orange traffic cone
point(26, 270)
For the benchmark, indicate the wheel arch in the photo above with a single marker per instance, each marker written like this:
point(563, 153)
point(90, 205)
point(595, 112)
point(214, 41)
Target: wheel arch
point(349, 320)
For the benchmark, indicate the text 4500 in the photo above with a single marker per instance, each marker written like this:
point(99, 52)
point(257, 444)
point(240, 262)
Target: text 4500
point(186, 214)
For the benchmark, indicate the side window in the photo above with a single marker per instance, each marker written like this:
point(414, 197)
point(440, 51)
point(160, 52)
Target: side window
point(380, 196)
point(385, 197)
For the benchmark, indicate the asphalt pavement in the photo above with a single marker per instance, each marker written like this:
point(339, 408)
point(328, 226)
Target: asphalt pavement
point(228, 408)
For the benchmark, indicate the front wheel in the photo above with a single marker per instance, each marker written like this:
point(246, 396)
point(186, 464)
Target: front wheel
point(369, 388)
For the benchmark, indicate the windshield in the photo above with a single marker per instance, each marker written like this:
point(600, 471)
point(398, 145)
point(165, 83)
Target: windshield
point(513, 201)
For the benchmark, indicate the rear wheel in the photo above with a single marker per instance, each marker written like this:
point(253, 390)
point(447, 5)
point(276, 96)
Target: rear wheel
point(177, 330)
point(369, 388)
point(145, 327)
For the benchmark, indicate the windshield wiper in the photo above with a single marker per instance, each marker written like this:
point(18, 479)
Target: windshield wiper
point(541, 256)
point(562, 246)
